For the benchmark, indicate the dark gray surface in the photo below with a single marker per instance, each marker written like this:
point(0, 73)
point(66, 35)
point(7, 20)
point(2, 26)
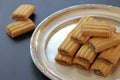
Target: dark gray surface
point(15, 59)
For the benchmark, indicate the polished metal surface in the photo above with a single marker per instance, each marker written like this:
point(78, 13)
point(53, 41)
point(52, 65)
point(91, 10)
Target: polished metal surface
point(53, 30)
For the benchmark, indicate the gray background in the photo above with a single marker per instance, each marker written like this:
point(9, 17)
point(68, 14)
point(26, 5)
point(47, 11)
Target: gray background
point(15, 59)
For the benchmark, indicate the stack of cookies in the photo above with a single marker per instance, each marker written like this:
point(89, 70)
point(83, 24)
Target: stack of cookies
point(23, 24)
point(92, 45)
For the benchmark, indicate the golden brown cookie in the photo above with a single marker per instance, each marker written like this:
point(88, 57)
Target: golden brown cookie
point(19, 27)
point(63, 59)
point(96, 29)
point(68, 47)
point(86, 54)
point(76, 32)
point(100, 44)
point(23, 12)
point(101, 23)
point(101, 68)
point(80, 64)
point(110, 56)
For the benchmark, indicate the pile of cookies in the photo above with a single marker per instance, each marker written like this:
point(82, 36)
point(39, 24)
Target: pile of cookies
point(92, 45)
point(23, 24)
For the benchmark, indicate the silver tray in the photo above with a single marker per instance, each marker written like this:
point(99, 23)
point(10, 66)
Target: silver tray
point(52, 31)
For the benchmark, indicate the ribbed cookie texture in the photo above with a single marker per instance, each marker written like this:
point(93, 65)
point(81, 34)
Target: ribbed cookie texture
point(63, 59)
point(101, 68)
point(68, 47)
point(23, 12)
point(97, 29)
point(79, 63)
point(19, 27)
point(101, 44)
point(23, 23)
point(110, 56)
point(77, 33)
point(67, 51)
point(86, 54)
point(92, 45)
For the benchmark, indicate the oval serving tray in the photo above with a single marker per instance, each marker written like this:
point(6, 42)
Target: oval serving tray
point(52, 31)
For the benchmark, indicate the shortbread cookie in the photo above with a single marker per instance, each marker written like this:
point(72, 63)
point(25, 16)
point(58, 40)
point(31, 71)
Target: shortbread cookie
point(23, 12)
point(86, 54)
point(63, 59)
point(19, 27)
point(110, 56)
point(101, 68)
point(100, 44)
